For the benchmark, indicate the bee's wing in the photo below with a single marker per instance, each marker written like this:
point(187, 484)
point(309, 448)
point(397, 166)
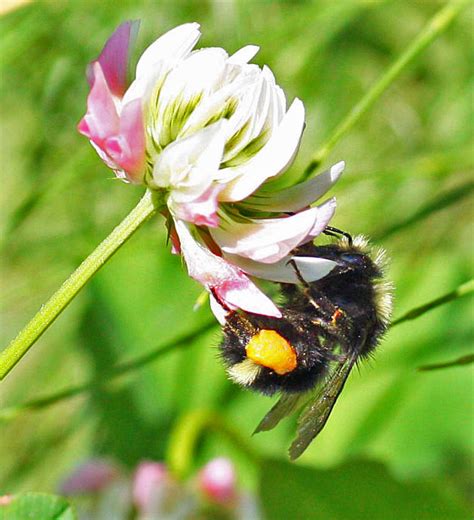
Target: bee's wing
point(286, 405)
point(315, 415)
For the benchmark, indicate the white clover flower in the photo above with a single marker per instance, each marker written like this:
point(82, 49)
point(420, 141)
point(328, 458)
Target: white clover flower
point(206, 131)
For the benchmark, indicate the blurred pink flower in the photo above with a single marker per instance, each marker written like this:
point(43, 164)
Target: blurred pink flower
point(207, 132)
point(90, 477)
point(148, 482)
point(217, 481)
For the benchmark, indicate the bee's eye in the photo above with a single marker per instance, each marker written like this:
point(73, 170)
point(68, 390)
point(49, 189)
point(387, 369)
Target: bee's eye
point(353, 258)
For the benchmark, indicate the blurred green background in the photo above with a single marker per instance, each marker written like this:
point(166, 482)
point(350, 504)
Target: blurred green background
point(408, 185)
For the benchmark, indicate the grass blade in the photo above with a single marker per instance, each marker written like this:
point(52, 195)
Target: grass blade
point(439, 23)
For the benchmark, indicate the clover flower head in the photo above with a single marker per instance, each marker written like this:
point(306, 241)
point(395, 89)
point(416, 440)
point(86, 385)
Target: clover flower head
point(207, 132)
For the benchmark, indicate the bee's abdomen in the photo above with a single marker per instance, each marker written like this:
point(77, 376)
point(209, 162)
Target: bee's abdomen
point(269, 355)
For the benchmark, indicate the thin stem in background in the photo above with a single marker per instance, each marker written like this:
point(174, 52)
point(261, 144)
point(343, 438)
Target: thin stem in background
point(463, 360)
point(439, 203)
point(462, 290)
point(76, 281)
point(439, 23)
point(128, 366)
point(11, 412)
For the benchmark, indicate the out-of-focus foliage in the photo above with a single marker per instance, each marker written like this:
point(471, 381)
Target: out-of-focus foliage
point(408, 184)
point(36, 505)
point(355, 490)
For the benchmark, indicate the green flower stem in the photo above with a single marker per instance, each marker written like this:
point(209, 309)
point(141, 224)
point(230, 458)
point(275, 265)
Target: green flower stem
point(187, 433)
point(69, 289)
point(439, 23)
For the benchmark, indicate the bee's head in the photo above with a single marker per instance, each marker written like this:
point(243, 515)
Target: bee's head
point(352, 257)
point(358, 266)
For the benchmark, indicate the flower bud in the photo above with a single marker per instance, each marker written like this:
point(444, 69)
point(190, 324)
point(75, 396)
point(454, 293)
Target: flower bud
point(217, 481)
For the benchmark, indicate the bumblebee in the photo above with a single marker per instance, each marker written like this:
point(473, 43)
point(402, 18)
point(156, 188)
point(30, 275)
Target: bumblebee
point(326, 327)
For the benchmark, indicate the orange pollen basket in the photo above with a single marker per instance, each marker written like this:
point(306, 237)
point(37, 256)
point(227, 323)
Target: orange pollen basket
point(269, 349)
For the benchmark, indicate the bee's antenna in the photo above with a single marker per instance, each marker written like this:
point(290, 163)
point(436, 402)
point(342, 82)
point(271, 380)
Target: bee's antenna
point(334, 232)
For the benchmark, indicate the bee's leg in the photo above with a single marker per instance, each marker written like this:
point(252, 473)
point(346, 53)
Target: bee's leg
point(330, 317)
point(240, 327)
point(305, 284)
point(319, 301)
point(235, 321)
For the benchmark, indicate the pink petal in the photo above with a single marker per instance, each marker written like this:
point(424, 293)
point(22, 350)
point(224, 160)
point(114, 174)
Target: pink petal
point(225, 281)
point(114, 58)
point(119, 141)
point(201, 211)
point(269, 240)
point(174, 239)
point(127, 149)
point(101, 120)
point(243, 294)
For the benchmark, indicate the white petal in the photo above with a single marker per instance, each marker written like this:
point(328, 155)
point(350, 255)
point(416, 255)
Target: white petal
point(159, 58)
point(272, 159)
point(142, 87)
point(174, 45)
point(325, 213)
point(237, 91)
point(296, 197)
point(244, 55)
point(200, 73)
point(262, 115)
point(269, 240)
point(278, 108)
point(310, 267)
point(188, 166)
point(248, 119)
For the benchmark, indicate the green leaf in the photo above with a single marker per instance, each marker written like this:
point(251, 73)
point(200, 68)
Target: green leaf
point(356, 490)
point(37, 506)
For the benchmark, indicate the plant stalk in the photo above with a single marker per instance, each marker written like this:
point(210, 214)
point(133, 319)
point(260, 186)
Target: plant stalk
point(439, 23)
point(76, 281)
